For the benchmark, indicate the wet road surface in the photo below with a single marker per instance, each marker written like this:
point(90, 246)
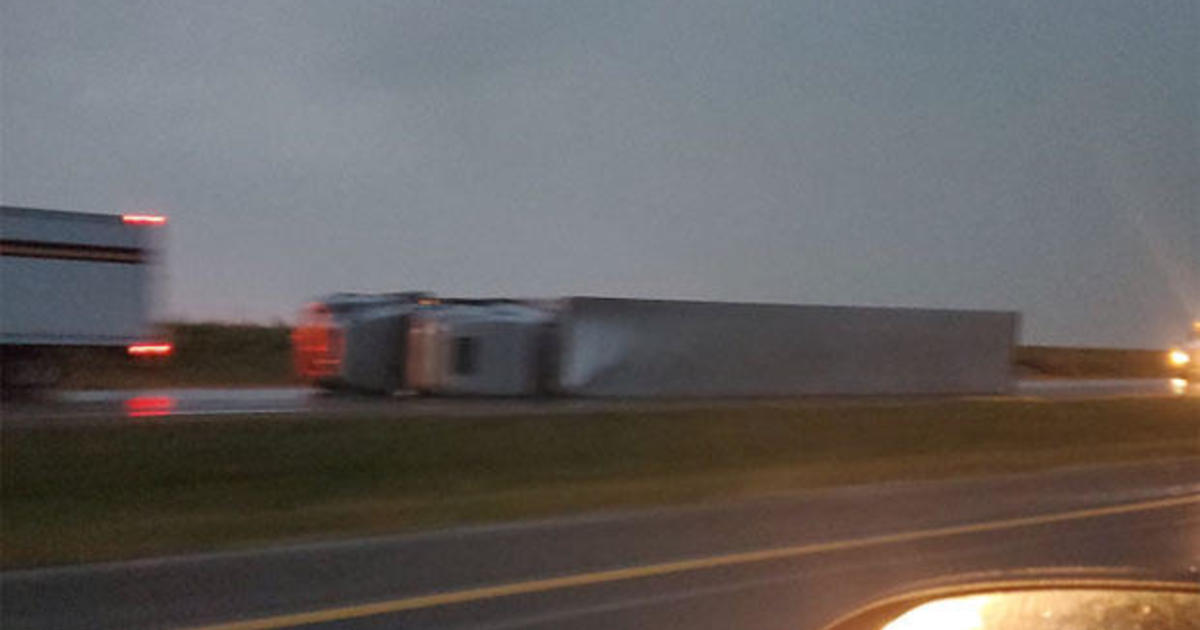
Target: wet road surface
point(108, 406)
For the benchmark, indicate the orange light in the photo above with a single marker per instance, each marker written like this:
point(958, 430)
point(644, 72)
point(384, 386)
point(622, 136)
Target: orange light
point(144, 219)
point(1178, 358)
point(150, 349)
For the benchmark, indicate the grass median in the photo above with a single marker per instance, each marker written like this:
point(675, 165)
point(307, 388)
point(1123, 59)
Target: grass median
point(89, 494)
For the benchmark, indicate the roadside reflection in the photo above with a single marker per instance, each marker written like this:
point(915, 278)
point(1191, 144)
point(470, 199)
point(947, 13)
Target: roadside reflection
point(149, 406)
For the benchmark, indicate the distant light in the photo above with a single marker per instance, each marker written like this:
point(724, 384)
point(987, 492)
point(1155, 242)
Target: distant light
point(144, 219)
point(428, 301)
point(150, 349)
point(1178, 358)
point(1179, 386)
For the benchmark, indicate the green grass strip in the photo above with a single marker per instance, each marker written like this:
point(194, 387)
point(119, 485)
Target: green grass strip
point(77, 495)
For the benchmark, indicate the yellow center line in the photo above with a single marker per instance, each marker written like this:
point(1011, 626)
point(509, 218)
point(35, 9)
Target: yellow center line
point(679, 566)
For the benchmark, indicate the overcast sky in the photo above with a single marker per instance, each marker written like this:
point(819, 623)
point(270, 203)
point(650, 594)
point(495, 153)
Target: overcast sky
point(1032, 155)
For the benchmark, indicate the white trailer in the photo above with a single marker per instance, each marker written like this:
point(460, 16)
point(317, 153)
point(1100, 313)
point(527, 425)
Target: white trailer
point(665, 348)
point(73, 280)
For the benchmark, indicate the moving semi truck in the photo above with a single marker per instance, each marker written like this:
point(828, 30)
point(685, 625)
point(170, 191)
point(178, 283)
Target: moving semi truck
point(586, 346)
point(71, 280)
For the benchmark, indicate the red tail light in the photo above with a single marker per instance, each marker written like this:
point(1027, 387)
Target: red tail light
point(317, 344)
point(150, 349)
point(144, 219)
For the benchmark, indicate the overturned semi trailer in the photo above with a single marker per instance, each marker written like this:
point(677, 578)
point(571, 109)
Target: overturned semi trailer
point(583, 346)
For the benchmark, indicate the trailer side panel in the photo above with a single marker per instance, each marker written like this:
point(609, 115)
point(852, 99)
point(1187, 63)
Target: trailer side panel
point(622, 347)
point(73, 279)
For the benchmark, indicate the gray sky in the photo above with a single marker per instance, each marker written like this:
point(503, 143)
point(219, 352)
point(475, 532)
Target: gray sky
point(1039, 156)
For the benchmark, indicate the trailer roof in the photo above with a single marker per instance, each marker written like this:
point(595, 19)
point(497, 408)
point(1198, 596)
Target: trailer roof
point(63, 214)
point(40, 228)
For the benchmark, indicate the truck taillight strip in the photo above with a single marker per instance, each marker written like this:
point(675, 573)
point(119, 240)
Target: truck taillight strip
point(72, 251)
point(144, 219)
point(150, 349)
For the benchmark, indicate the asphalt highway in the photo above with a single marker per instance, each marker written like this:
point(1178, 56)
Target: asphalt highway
point(108, 406)
point(790, 561)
